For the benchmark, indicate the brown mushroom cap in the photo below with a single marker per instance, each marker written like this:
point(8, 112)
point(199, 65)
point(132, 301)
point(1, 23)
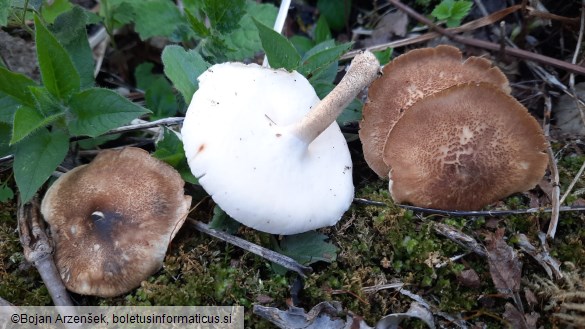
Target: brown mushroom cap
point(410, 77)
point(464, 148)
point(113, 219)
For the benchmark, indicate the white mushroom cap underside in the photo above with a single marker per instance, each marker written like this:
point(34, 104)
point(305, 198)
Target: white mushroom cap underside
point(238, 145)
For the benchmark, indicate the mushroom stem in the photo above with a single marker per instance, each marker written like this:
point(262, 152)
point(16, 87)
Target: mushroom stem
point(363, 70)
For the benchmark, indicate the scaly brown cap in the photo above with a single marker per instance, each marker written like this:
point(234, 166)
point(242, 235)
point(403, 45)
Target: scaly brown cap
point(464, 148)
point(410, 77)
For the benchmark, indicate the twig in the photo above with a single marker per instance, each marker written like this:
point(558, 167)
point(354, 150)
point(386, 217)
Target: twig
point(38, 250)
point(489, 213)
point(268, 254)
point(523, 54)
point(367, 202)
point(460, 238)
point(556, 190)
point(573, 182)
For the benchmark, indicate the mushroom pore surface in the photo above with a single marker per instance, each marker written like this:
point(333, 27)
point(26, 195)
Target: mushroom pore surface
point(113, 219)
point(408, 78)
point(464, 148)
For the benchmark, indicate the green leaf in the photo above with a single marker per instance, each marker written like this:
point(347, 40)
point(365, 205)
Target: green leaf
point(316, 61)
point(459, 10)
point(443, 10)
point(224, 15)
point(56, 8)
point(280, 51)
point(161, 99)
point(384, 56)
point(92, 143)
point(335, 11)
point(144, 76)
point(8, 106)
point(302, 44)
point(70, 31)
point(57, 70)
point(221, 221)
point(27, 120)
point(6, 193)
point(322, 31)
point(5, 131)
point(198, 26)
point(170, 150)
point(245, 41)
point(45, 103)
point(4, 11)
point(16, 86)
point(352, 113)
point(156, 18)
point(308, 248)
point(183, 68)
point(36, 159)
point(97, 110)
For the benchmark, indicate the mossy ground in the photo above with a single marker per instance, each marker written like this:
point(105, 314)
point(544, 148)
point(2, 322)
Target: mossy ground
point(377, 245)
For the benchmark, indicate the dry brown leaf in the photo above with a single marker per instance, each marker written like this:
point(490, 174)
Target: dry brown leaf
point(505, 268)
point(469, 278)
point(518, 320)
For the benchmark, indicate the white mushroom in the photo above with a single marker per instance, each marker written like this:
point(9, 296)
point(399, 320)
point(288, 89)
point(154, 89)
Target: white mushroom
point(267, 150)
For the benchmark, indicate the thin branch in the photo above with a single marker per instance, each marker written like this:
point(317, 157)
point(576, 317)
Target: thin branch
point(268, 254)
point(460, 238)
point(556, 190)
point(489, 213)
point(519, 53)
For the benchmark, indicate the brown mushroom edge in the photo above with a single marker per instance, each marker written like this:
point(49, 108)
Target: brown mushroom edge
point(113, 219)
point(464, 148)
point(408, 78)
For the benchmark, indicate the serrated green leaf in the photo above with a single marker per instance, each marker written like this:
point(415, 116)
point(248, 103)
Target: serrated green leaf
point(459, 10)
point(70, 31)
point(183, 68)
point(443, 10)
point(335, 11)
point(352, 113)
point(224, 15)
point(198, 26)
point(245, 41)
point(322, 31)
point(5, 131)
point(6, 193)
point(16, 85)
point(308, 248)
point(4, 11)
point(221, 221)
point(27, 120)
point(57, 70)
point(321, 59)
point(97, 110)
point(36, 159)
point(280, 52)
point(156, 18)
point(8, 106)
point(54, 9)
point(170, 150)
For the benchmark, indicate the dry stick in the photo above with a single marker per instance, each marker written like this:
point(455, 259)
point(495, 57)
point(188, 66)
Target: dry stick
point(480, 22)
point(124, 129)
point(38, 250)
point(268, 254)
point(556, 191)
point(575, 97)
point(523, 54)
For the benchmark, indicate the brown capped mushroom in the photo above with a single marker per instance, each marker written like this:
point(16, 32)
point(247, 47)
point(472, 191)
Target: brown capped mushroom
point(463, 148)
point(408, 78)
point(113, 219)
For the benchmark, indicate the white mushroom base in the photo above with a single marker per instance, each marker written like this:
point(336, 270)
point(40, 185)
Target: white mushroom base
point(239, 144)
